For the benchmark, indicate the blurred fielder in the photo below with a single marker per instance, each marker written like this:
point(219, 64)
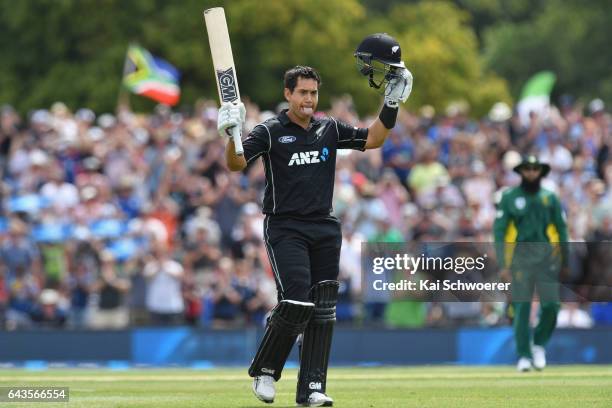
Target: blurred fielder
point(531, 228)
point(302, 237)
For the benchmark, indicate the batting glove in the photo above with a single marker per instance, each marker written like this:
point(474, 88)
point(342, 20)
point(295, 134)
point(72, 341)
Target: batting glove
point(230, 115)
point(398, 88)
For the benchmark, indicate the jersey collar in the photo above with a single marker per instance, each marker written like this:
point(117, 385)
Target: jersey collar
point(285, 121)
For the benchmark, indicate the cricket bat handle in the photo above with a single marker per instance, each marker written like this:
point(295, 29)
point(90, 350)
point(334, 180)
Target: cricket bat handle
point(237, 137)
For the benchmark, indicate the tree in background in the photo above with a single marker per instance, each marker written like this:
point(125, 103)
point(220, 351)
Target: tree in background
point(568, 37)
point(441, 49)
point(73, 50)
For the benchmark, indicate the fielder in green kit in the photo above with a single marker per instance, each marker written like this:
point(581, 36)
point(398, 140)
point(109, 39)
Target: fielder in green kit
point(531, 242)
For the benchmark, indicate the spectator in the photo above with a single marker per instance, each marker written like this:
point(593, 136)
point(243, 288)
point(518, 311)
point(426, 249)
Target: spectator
point(427, 171)
point(49, 312)
point(111, 312)
point(160, 179)
point(164, 297)
point(23, 293)
point(61, 195)
point(19, 253)
point(398, 154)
point(3, 299)
point(80, 286)
point(572, 315)
point(137, 297)
point(227, 298)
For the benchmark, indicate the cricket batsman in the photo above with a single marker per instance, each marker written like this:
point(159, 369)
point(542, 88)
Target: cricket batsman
point(302, 238)
point(531, 236)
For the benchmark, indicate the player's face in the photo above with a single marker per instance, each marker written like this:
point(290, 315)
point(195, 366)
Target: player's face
point(304, 98)
point(531, 173)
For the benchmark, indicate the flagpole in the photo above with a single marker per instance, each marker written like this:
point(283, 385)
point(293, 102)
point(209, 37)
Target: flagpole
point(123, 98)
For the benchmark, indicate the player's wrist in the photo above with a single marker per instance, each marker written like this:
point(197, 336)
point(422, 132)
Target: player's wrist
point(388, 115)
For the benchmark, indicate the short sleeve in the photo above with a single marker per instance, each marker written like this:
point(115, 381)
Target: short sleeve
point(256, 143)
point(350, 137)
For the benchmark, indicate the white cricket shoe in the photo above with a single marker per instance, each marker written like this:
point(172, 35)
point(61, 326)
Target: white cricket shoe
point(523, 365)
point(317, 399)
point(263, 388)
point(539, 357)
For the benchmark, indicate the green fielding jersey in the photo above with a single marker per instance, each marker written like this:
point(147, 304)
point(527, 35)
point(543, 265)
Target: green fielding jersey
point(529, 217)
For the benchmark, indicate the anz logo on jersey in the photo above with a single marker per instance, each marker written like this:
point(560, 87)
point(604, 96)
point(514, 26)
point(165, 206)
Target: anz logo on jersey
point(311, 157)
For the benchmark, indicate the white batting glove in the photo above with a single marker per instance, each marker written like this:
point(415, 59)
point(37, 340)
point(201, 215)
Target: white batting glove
point(230, 115)
point(398, 88)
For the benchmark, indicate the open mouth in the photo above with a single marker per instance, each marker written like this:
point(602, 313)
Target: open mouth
point(307, 110)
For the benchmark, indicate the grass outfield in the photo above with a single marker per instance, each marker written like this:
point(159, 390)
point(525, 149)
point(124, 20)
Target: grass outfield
point(557, 386)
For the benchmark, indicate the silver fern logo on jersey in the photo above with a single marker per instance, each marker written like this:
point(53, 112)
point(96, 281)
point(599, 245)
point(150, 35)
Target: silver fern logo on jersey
point(287, 139)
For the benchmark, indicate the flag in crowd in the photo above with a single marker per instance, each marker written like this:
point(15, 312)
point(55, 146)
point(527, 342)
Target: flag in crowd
point(535, 96)
point(150, 76)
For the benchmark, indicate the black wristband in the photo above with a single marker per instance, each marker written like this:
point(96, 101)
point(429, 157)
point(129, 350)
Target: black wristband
point(388, 116)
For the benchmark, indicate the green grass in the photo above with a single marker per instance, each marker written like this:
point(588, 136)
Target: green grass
point(557, 386)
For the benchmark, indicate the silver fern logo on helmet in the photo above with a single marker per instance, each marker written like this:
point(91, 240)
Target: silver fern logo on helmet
point(378, 57)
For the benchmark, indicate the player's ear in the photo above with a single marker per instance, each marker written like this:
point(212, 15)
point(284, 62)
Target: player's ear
point(287, 94)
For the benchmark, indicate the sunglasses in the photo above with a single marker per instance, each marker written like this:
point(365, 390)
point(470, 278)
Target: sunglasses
point(532, 168)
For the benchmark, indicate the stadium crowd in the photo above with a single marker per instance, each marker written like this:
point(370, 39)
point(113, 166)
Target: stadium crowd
point(108, 221)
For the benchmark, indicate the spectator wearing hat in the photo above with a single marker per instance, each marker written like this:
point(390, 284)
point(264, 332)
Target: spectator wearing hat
point(128, 201)
point(49, 312)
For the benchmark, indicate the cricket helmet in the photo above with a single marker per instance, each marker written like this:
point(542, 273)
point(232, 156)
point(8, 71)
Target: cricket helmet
point(379, 55)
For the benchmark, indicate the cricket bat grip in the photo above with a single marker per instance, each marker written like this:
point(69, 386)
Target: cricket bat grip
point(237, 137)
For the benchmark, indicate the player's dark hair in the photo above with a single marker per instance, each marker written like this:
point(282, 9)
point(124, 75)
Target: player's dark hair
point(299, 71)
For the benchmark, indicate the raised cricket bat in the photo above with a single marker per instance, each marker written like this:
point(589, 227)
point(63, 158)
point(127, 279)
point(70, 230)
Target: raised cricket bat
point(223, 62)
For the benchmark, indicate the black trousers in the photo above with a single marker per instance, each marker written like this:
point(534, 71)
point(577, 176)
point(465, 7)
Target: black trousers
point(302, 252)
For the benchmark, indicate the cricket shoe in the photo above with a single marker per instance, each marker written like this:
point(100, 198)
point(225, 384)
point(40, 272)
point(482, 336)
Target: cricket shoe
point(317, 399)
point(523, 365)
point(263, 388)
point(539, 357)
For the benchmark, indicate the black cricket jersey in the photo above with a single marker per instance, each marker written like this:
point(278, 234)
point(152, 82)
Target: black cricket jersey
point(300, 164)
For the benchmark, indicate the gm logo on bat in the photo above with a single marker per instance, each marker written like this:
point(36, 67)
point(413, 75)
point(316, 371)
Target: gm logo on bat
point(227, 85)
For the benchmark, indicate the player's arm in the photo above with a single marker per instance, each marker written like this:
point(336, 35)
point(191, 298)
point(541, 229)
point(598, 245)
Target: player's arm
point(377, 133)
point(559, 220)
point(234, 162)
point(561, 226)
point(500, 227)
point(397, 90)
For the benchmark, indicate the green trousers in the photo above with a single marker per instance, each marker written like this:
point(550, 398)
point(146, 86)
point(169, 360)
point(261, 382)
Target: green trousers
point(526, 280)
point(543, 331)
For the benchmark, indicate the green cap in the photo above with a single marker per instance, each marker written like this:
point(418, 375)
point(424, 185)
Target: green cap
point(531, 160)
